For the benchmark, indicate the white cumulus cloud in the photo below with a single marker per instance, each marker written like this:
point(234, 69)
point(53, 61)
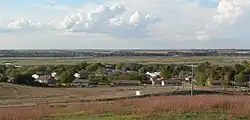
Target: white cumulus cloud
point(24, 24)
point(230, 10)
point(106, 19)
point(231, 20)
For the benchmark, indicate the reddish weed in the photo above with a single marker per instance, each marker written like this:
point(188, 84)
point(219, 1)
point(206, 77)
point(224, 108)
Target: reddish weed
point(235, 105)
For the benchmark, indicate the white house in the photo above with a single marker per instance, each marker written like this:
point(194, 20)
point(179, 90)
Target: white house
point(154, 74)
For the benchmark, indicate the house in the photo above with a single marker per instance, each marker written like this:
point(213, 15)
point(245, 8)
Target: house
point(109, 70)
point(125, 83)
point(83, 83)
point(153, 75)
point(155, 78)
point(46, 79)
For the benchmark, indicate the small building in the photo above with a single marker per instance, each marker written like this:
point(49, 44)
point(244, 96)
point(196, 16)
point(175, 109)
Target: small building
point(153, 75)
point(46, 79)
point(83, 83)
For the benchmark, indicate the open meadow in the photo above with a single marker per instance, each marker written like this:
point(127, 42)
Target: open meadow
point(118, 103)
point(220, 60)
point(200, 107)
point(15, 95)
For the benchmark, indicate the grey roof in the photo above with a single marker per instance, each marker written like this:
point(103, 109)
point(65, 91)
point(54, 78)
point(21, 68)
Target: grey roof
point(80, 80)
point(46, 77)
point(125, 81)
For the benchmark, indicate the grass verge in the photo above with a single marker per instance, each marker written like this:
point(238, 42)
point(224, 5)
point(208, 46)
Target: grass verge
point(205, 115)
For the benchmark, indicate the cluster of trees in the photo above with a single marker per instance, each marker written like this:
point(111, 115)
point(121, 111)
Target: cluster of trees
point(205, 73)
point(93, 71)
point(234, 75)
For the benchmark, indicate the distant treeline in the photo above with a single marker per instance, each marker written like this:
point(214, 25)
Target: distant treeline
point(106, 53)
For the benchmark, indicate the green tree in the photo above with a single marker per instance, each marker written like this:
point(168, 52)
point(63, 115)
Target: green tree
point(119, 66)
point(201, 78)
point(93, 67)
point(82, 65)
point(83, 73)
point(226, 80)
point(166, 72)
point(109, 78)
point(59, 69)
point(66, 76)
point(100, 71)
point(142, 70)
point(3, 78)
point(203, 66)
point(240, 79)
point(229, 76)
point(245, 63)
point(179, 68)
point(14, 73)
point(3, 69)
point(239, 68)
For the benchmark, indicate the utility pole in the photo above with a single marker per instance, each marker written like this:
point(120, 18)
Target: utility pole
point(192, 82)
point(182, 79)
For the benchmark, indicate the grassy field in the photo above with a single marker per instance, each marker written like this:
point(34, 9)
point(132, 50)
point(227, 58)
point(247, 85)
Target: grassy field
point(20, 102)
point(205, 115)
point(23, 95)
point(222, 60)
point(200, 107)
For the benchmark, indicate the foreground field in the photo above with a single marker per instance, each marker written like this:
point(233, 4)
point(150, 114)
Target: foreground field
point(222, 60)
point(200, 107)
point(205, 115)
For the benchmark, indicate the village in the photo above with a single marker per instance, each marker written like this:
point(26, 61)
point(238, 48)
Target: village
point(150, 78)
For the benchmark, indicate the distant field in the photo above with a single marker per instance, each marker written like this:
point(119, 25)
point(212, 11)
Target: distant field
point(222, 60)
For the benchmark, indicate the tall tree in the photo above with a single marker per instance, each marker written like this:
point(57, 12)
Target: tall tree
point(93, 67)
point(201, 78)
point(203, 66)
point(66, 76)
point(82, 65)
point(119, 66)
point(239, 68)
point(166, 72)
point(142, 70)
point(240, 79)
point(245, 63)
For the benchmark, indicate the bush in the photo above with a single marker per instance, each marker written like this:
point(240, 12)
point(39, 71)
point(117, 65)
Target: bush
point(4, 79)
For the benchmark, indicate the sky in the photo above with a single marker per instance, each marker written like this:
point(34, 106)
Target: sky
point(124, 24)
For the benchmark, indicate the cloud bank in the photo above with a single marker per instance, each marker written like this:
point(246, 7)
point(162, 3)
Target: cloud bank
point(139, 20)
point(107, 19)
point(231, 21)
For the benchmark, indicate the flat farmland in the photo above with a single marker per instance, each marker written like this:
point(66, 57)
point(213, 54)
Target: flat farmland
point(221, 60)
point(16, 95)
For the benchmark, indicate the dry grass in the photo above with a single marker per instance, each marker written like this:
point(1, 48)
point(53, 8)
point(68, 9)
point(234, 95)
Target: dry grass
point(233, 105)
point(22, 95)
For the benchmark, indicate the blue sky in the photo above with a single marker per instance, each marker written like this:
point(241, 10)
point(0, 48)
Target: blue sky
point(70, 24)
